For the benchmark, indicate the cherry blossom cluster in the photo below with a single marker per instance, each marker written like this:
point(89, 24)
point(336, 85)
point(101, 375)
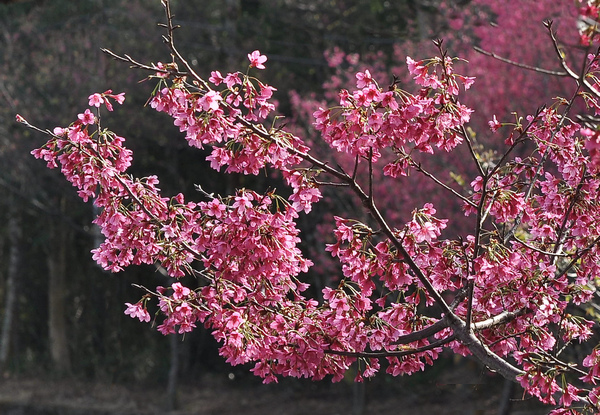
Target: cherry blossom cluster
point(512, 292)
point(246, 246)
point(371, 119)
point(547, 234)
point(226, 121)
point(140, 226)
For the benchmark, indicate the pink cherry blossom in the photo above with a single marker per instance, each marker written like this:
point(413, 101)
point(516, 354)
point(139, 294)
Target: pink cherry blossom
point(95, 100)
point(120, 97)
point(216, 78)
point(87, 117)
point(494, 124)
point(257, 60)
point(210, 101)
point(137, 311)
point(363, 79)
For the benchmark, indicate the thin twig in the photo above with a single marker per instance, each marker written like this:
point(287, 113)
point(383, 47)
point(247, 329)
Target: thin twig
point(395, 353)
point(169, 40)
point(139, 65)
point(520, 65)
point(467, 138)
point(538, 250)
point(569, 71)
point(420, 169)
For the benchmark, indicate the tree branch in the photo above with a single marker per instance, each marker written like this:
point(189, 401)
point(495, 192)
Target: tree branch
point(520, 65)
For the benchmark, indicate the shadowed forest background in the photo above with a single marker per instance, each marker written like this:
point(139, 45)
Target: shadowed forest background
point(61, 316)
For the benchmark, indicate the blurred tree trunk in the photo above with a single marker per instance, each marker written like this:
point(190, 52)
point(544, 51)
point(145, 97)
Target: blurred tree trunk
point(10, 292)
point(56, 259)
point(174, 341)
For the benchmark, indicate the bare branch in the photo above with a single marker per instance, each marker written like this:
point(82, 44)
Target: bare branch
point(520, 65)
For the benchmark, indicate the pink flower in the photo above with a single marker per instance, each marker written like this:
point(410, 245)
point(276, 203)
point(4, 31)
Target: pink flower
point(414, 67)
point(421, 76)
point(120, 98)
point(108, 105)
point(234, 321)
point(494, 124)
point(467, 81)
point(424, 232)
point(569, 396)
point(257, 60)
point(179, 291)
point(216, 78)
point(87, 117)
point(232, 79)
point(162, 73)
point(210, 101)
point(168, 327)
point(215, 208)
point(137, 311)
point(95, 100)
point(363, 79)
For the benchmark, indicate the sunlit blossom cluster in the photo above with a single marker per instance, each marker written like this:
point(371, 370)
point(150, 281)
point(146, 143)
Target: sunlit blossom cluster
point(373, 118)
